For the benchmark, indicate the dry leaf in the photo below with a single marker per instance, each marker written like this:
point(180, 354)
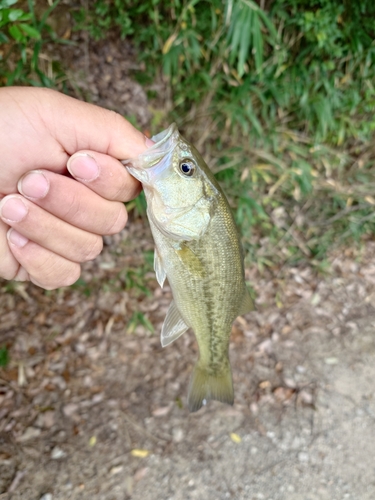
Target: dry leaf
point(168, 44)
point(139, 453)
point(235, 438)
point(92, 441)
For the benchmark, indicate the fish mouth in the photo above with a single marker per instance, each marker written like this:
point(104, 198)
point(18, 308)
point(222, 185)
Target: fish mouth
point(166, 139)
point(165, 143)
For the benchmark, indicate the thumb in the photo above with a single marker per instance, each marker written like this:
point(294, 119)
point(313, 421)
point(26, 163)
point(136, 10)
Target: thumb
point(42, 128)
point(86, 126)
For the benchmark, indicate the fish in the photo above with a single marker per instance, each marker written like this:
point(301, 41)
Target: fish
point(198, 250)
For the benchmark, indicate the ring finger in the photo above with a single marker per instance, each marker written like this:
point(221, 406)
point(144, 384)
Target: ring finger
point(39, 265)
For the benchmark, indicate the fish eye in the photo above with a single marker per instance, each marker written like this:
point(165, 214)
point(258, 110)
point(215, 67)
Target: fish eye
point(187, 167)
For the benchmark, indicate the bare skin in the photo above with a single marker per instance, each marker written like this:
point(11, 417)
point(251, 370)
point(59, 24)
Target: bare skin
point(51, 222)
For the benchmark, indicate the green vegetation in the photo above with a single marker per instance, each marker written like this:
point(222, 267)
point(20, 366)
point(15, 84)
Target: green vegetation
point(23, 34)
point(139, 319)
point(279, 95)
point(282, 98)
point(4, 356)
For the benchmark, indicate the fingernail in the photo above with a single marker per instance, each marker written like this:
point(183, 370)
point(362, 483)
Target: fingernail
point(16, 239)
point(83, 167)
point(33, 185)
point(149, 142)
point(13, 209)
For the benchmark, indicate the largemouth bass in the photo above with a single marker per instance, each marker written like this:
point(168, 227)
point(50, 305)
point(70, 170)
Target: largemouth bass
point(198, 249)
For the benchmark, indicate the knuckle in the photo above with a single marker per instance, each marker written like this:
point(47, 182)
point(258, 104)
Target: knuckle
point(118, 222)
point(72, 277)
point(72, 207)
point(56, 276)
point(118, 121)
point(47, 274)
point(120, 189)
point(93, 248)
point(127, 189)
point(9, 266)
point(9, 272)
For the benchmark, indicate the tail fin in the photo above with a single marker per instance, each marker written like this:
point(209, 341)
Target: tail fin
point(204, 385)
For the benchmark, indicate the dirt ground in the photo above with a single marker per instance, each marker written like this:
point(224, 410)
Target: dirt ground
point(91, 406)
point(91, 410)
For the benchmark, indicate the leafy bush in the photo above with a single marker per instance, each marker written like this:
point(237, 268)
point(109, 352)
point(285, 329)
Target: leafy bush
point(22, 35)
point(285, 97)
point(296, 62)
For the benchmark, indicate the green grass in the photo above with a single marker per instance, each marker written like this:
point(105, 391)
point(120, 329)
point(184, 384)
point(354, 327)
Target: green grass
point(139, 319)
point(4, 356)
point(23, 36)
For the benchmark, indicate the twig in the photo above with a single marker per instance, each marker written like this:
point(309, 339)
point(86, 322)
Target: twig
point(290, 231)
point(16, 480)
point(143, 430)
point(341, 214)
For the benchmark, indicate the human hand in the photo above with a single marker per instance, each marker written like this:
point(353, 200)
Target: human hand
point(50, 222)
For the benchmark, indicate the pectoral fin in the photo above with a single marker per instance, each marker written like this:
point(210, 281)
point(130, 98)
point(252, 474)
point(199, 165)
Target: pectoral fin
point(247, 303)
point(173, 327)
point(159, 269)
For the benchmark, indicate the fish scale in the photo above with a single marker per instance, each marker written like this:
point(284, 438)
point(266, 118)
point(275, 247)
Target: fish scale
point(198, 249)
